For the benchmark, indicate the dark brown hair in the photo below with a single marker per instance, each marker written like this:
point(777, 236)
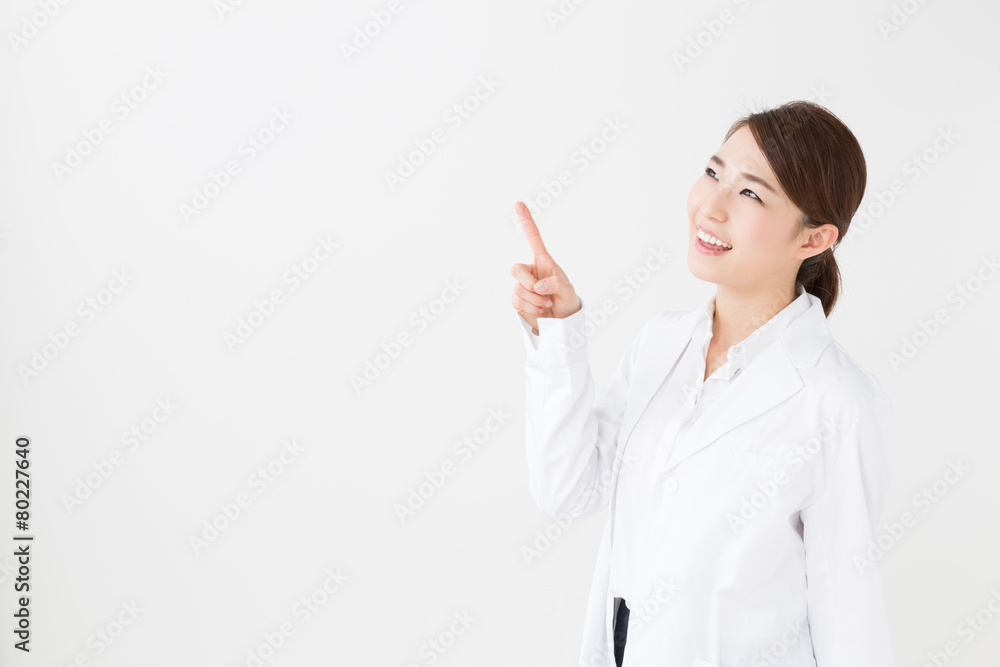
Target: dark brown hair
point(820, 166)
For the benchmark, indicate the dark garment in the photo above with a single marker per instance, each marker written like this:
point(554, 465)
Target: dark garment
point(621, 629)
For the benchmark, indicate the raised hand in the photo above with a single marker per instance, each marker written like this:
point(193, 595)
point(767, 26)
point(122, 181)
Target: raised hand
point(542, 288)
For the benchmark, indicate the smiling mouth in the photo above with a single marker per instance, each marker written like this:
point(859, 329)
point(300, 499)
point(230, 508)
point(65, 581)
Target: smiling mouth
point(710, 248)
point(711, 242)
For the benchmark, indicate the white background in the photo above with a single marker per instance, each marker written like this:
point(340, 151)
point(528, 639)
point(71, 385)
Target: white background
point(333, 508)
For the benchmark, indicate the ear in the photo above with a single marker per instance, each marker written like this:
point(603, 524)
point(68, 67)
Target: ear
point(817, 240)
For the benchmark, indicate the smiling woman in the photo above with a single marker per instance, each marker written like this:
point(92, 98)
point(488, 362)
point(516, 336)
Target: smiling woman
point(797, 168)
point(742, 453)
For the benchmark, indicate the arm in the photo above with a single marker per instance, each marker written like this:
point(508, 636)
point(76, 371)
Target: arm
point(846, 609)
point(571, 426)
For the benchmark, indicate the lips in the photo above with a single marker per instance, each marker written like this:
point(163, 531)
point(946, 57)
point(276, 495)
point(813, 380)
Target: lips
point(713, 245)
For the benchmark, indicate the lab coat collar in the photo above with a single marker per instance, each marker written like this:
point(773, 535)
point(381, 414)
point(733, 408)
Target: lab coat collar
point(743, 352)
point(773, 378)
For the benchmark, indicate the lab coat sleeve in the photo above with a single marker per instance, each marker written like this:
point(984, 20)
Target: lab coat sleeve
point(846, 609)
point(571, 426)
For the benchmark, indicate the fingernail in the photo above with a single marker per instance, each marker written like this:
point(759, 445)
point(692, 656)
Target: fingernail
point(541, 286)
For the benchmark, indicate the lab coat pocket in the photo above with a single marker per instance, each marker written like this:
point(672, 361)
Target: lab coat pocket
point(752, 460)
point(758, 453)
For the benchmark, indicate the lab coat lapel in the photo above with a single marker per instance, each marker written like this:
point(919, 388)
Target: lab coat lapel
point(659, 356)
point(765, 383)
point(772, 378)
point(663, 351)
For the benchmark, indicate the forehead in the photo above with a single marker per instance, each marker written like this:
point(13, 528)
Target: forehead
point(742, 153)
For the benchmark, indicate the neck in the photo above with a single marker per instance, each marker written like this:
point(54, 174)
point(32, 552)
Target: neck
point(738, 314)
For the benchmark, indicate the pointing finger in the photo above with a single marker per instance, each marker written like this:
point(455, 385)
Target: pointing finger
point(530, 230)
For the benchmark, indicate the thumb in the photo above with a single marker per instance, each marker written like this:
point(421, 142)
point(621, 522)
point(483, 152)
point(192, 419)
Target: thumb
point(547, 285)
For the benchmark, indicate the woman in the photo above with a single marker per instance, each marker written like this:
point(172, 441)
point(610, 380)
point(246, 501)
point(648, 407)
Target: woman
point(742, 453)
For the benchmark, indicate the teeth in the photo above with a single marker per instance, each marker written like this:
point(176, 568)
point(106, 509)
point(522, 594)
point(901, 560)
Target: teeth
point(708, 238)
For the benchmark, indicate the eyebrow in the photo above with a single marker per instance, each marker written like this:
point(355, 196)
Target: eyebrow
point(749, 177)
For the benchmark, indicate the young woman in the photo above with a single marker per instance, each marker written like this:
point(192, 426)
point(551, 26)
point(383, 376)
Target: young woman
point(742, 453)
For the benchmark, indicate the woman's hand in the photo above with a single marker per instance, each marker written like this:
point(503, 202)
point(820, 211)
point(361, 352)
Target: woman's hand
point(542, 288)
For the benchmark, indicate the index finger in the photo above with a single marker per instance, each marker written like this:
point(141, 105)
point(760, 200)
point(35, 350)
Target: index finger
point(530, 230)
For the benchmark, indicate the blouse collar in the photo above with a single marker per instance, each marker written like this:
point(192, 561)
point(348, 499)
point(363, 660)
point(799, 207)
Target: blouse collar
point(743, 352)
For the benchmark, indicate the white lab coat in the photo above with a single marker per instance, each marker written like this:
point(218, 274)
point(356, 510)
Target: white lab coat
point(798, 449)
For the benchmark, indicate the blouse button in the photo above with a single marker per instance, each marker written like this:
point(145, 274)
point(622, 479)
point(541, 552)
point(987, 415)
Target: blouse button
point(670, 485)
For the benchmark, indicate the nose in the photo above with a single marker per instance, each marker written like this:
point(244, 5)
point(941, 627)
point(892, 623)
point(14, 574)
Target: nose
point(713, 206)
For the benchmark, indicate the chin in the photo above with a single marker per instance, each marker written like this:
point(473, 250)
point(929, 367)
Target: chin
point(695, 266)
point(699, 267)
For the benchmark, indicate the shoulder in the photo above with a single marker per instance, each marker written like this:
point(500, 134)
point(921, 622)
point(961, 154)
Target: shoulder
point(670, 318)
point(666, 321)
point(662, 333)
point(844, 382)
point(829, 372)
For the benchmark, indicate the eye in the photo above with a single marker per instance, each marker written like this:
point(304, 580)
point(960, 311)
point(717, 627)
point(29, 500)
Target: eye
point(753, 195)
